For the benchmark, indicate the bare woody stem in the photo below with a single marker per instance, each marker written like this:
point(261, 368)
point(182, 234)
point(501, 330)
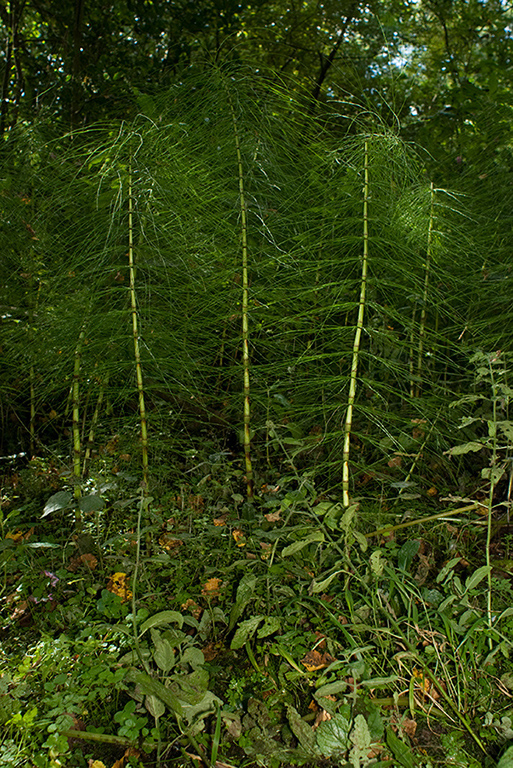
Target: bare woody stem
point(135, 331)
point(358, 333)
point(245, 321)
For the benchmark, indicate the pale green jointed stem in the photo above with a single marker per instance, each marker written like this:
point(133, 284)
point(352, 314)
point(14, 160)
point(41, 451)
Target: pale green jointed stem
point(90, 440)
point(75, 397)
point(245, 322)
point(358, 333)
point(493, 481)
point(135, 330)
point(422, 323)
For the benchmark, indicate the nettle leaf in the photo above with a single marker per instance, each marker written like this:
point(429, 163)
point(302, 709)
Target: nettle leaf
point(360, 735)
point(332, 736)
point(93, 503)
point(245, 630)
point(297, 546)
point(458, 450)
point(59, 500)
point(303, 732)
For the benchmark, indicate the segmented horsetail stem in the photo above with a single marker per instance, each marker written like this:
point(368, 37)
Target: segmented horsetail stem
point(135, 331)
point(358, 333)
point(427, 268)
point(245, 301)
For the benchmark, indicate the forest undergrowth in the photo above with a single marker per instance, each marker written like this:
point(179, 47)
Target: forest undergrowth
point(256, 444)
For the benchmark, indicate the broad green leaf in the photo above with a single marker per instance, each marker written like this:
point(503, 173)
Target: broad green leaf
point(362, 540)
point(163, 652)
point(477, 576)
point(458, 450)
point(347, 518)
point(380, 682)
point(91, 503)
point(271, 625)
point(192, 656)
point(506, 427)
point(332, 736)
point(303, 732)
point(245, 630)
point(297, 546)
point(407, 553)
point(360, 735)
point(159, 619)
point(208, 703)
point(155, 706)
point(331, 688)
point(400, 750)
point(325, 507)
point(447, 568)
point(245, 591)
point(151, 687)
point(59, 500)
point(192, 687)
point(506, 760)
point(322, 586)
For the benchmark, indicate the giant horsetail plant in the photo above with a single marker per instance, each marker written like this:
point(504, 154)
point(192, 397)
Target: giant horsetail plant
point(423, 311)
point(348, 423)
point(244, 308)
point(135, 333)
point(75, 403)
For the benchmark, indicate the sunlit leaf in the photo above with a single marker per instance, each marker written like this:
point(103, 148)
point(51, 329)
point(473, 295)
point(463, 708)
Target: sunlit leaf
point(477, 577)
point(59, 500)
point(245, 630)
